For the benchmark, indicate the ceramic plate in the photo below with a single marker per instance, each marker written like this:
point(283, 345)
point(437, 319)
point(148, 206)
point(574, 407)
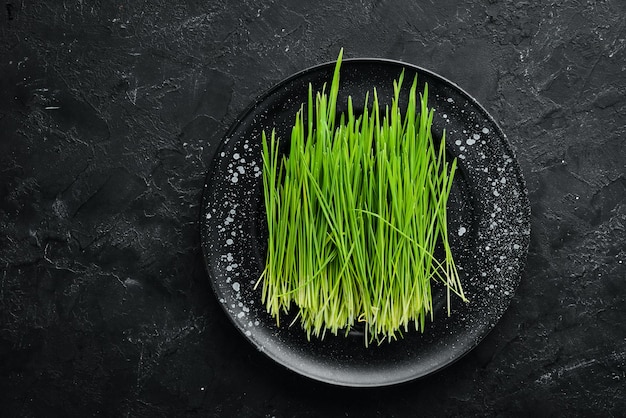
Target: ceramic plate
point(489, 227)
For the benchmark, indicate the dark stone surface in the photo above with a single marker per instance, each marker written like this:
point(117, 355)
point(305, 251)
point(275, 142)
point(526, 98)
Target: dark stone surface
point(110, 113)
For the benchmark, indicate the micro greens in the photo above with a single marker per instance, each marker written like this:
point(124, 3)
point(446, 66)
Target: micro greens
point(354, 214)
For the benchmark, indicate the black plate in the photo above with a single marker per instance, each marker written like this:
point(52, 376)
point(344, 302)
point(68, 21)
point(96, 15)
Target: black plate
point(489, 227)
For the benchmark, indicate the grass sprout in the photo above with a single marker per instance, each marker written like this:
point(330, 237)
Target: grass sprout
point(355, 213)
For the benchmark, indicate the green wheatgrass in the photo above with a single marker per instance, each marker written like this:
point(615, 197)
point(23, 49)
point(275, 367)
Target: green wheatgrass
point(354, 214)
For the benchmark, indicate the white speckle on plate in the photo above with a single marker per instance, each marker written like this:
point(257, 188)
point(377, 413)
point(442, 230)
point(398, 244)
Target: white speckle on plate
point(485, 130)
point(236, 286)
point(236, 156)
point(462, 230)
point(229, 241)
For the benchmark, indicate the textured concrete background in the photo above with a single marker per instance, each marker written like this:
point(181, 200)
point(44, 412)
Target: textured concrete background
point(110, 113)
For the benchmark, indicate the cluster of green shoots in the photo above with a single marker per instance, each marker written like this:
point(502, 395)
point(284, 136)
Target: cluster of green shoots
point(355, 212)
